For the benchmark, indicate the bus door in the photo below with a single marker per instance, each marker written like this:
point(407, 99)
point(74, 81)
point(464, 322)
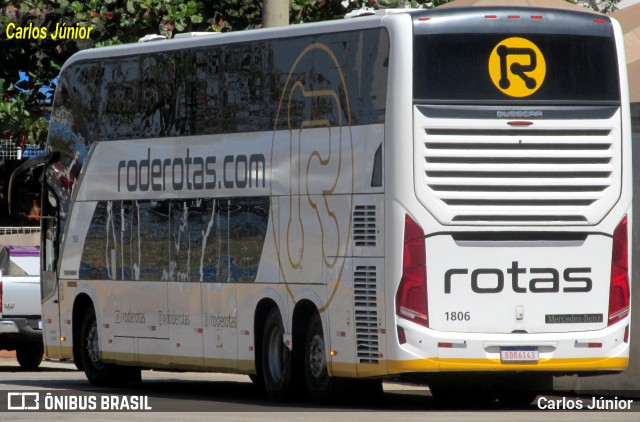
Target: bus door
point(29, 173)
point(49, 285)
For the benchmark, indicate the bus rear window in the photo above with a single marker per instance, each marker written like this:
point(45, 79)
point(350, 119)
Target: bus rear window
point(500, 68)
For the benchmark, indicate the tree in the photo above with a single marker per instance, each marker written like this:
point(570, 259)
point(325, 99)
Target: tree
point(602, 6)
point(22, 105)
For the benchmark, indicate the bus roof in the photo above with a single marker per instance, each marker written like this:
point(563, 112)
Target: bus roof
point(364, 22)
point(229, 37)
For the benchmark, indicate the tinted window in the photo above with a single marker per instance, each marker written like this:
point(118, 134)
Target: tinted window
point(222, 89)
point(210, 240)
point(455, 67)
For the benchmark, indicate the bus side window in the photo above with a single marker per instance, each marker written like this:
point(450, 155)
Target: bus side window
point(248, 219)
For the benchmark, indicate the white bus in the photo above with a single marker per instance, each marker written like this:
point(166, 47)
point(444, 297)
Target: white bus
point(441, 195)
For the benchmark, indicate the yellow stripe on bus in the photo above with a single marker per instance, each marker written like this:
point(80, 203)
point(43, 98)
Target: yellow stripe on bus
point(557, 364)
point(384, 367)
point(341, 369)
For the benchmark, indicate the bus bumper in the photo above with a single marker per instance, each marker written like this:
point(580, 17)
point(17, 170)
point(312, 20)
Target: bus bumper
point(566, 353)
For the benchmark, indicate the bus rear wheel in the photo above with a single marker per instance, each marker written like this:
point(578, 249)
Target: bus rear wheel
point(319, 383)
point(96, 371)
point(276, 358)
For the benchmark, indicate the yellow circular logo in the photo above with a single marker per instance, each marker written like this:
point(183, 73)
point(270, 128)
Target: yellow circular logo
point(517, 67)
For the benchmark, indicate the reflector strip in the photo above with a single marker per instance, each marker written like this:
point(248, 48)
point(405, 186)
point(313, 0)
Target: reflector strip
point(447, 345)
point(402, 339)
point(519, 123)
point(588, 345)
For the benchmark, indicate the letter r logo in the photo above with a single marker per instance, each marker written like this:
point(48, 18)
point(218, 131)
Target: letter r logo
point(517, 67)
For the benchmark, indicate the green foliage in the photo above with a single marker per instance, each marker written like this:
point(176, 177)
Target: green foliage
point(125, 21)
point(603, 6)
point(22, 122)
point(111, 22)
point(320, 10)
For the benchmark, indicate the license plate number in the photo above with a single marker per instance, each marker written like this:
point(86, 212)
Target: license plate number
point(519, 355)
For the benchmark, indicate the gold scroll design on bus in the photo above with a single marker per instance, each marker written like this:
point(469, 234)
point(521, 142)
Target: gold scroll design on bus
point(336, 257)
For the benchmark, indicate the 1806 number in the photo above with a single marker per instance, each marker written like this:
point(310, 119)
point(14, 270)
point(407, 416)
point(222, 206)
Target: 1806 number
point(458, 316)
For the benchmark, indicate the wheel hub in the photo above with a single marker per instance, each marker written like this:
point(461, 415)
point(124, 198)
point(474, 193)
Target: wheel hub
point(317, 359)
point(93, 347)
point(276, 363)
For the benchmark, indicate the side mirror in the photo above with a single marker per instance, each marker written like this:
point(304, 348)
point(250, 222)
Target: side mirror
point(20, 173)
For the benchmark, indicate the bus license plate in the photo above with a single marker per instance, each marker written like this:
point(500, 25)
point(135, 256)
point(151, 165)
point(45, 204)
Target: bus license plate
point(519, 355)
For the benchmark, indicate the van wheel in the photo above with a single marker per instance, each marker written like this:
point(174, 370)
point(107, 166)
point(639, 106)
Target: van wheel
point(29, 358)
point(97, 372)
point(276, 358)
point(319, 383)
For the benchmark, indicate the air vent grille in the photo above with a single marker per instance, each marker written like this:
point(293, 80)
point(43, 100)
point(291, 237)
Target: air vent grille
point(502, 175)
point(366, 314)
point(364, 226)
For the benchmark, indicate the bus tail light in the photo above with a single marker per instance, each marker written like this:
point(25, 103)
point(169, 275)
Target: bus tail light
point(411, 298)
point(619, 285)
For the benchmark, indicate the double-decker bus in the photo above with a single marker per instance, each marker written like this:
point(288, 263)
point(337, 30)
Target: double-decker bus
point(443, 195)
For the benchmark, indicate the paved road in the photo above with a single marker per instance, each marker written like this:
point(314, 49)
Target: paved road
point(199, 397)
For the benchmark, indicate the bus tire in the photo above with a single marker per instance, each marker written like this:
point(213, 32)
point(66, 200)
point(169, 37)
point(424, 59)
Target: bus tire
point(520, 390)
point(516, 398)
point(127, 374)
point(276, 358)
point(96, 371)
point(319, 383)
point(462, 395)
point(29, 358)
